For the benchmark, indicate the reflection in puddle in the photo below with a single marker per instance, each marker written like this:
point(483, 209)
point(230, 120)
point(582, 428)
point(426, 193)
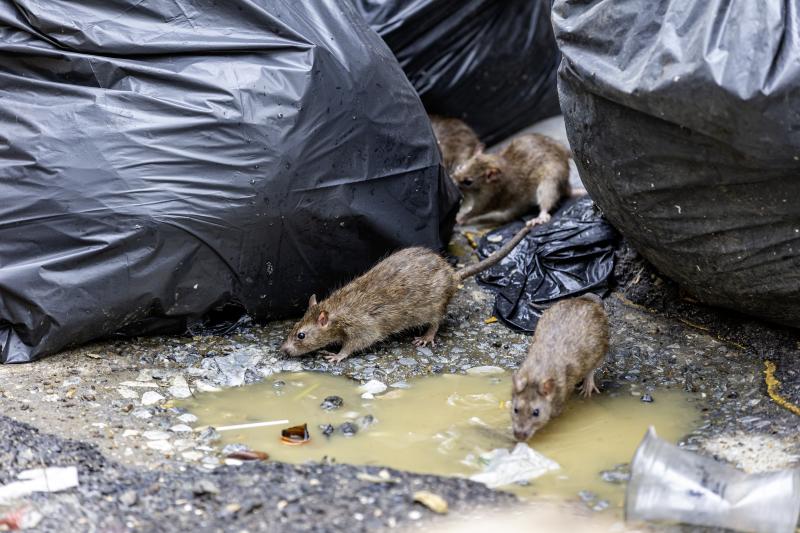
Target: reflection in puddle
point(440, 424)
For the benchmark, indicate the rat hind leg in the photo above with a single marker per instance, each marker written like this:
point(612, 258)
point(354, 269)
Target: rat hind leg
point(428, 337)
point(588, 386)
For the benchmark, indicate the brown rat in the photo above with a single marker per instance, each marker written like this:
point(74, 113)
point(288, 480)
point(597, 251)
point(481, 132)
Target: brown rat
point(532, 170)
point(570, 342)
point(457, 141)
point(410, 288)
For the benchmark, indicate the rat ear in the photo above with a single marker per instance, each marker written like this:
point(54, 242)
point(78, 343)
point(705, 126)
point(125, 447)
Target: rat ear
point(547, 387)
point(491, 174)
point(322, 319)
point(479, 149)
point(519, 381)
point(312, 301)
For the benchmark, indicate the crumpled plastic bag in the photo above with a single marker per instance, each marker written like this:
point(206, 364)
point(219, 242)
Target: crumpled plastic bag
point(505, 468)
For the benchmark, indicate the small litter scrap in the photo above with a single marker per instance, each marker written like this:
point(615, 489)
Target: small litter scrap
point(295, 435)
point(52, 479)
point(570, 256)
point(505, 468)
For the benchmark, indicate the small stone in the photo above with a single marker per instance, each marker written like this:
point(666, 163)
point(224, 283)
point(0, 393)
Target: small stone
point(192, 456)
point(407, 361)
point(587, 496)
point(332, 402)
point(233, 508)
point(647, 398)
point(414, 515)
point(601, 505)
point(618, 475)
point(279, 384)
point(205, 386)
point(187, 418)
point(145, 374)
point(160, 445)
point(367, 396)
point(233, 448)
point(128, 394)
point(400, 385)
point(205, 486)
point(209, 435)
point(128, 498)
point(327, 429)
point(156, 435)
point(180, 388)
point(373, 386)
point(348, 429)
point(230, 461)
point(144, 414)
point(140, 384)
point(88, 396)
point(365, 421)
point(180, 428)
point(486, 370)
point(151, 398)
point(130, 433)
point(282, 505)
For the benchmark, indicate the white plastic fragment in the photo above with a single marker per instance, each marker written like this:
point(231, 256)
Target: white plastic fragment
point(151, 398)
point(373, 386)
point(521, 464)
point(52, 479)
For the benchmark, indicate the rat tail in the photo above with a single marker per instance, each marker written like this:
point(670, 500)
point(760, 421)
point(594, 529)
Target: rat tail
point(495, 258)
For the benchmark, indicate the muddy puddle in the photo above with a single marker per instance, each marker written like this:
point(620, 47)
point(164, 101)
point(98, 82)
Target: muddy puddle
point(441, 424)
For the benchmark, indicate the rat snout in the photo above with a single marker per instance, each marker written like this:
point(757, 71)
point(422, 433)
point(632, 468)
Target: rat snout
point(522, 436)
point(287, 348)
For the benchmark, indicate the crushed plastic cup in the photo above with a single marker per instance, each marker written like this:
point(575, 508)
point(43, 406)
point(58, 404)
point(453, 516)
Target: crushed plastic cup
point(672, 485)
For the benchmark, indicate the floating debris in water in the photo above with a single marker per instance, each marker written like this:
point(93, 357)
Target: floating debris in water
point(647, 398)
point(348, 429)
point(327, 429)
point(332, 402)
point(295, 435)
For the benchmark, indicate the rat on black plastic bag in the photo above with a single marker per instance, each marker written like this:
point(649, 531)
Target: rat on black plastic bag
point(572, 255)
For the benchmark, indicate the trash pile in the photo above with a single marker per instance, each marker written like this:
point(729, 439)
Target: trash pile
point(491, 63)
point(682, 117)
point(168, 163)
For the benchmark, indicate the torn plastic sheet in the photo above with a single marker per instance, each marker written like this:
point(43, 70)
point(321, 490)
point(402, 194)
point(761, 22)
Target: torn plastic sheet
point(505, 468)
point(570, 256)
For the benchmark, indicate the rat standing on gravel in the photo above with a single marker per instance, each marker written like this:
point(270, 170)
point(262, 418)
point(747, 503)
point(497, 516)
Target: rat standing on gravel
point(410, 288)
point(457, 141)
point(532, 170)
point(570, 342)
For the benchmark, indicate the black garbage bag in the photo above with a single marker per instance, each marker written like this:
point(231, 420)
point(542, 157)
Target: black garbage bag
point(684, 119)
point(163, 160)
point(492, 63)
point(570, 256)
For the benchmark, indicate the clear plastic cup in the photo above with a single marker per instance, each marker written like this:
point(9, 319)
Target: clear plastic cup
point(672, 485)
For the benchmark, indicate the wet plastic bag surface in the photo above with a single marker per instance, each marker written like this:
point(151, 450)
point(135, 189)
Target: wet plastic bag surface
point(159, 160)
point(684, 120)
point(570, 256)
point(491, 63)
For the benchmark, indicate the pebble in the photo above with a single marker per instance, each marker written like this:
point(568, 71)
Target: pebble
point(348, 429)
point(367, 396)
point(233, 462)
point(205, 386)
point(151, 398)
point(618, 475)
point(180, 388)
point(647, 398)
point(234, 447)
point(156, 435)
point(128, 498)
point(485, 370)
point(373, 386)
point(187, 418)
point(205, 486)
point(327, 429)
point(192, 456)
point(130, 433)
point(160, 445)
point(332, 402)
point(128, 394)
point(414, 515)
point(407, 361)
point(142, 413)
point(139, 384)
point(400, 385)
point(180, 428)
point(145, 374)
point(209, 435)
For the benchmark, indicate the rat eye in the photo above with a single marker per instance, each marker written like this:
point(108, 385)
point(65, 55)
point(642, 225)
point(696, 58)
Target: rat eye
point(535, 412)
point(516, 410)
point(301, 335)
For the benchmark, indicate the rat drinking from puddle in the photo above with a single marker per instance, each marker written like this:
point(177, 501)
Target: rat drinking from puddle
point(499, 187)
point(410, 288)
point(570, 342)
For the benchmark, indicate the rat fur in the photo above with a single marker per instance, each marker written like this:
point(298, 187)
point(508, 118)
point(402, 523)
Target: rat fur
point(570, 342)
point(532, 170)
point(410, 288)
point(457, 141)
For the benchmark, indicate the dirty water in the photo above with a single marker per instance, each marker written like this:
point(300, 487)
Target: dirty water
point(441, 424)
